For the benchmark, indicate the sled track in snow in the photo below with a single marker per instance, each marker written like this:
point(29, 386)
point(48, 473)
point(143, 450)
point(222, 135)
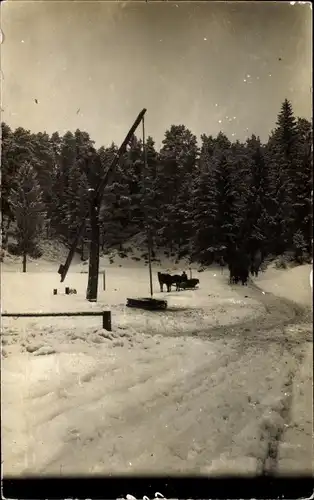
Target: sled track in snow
point(279, 314)
point(284, 323)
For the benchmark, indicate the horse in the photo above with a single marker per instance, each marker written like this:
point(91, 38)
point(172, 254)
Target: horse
point(168, 280)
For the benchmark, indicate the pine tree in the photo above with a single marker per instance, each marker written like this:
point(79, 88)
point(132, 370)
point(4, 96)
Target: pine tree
point(177, 161)
point(303, 183)
point(227, 223)
point(77, 200)
point(133, 165)
point(8, 172)
point(44, 164)
point(17, 148)
point(61, 184)
point(240, 177)
point(204, 210)
point(44, 168)
point(222, 169)
point(257, 200)
point(114, 210)
point(28, 208)
point(282, 158)
point(149, 198)
point(299, 246)
point(83, 144)
point(56, 188)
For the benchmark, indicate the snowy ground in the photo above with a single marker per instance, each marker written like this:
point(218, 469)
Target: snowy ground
point(220, 382)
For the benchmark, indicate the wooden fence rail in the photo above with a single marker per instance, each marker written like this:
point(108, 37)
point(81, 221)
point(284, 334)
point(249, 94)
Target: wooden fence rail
point(106, 316)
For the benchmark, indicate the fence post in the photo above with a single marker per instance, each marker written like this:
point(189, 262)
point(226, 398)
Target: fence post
point(190, 273)
point(104, 280)
point(106, 320)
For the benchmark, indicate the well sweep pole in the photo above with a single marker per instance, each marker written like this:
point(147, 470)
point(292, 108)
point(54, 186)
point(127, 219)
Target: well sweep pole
point(148, 234)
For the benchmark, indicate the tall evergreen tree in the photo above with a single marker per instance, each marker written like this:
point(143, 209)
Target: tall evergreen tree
point(149, 200)
point(204, 210)
point(227, 221)
point(177, 160)
point(44, 167)
point(133, 166)
point(282, 158)
point(115, 203)
point(61, 184)
point(257, 201)
point(8, 173)
point(28, 208)
point(77, 200)
point(303, 183)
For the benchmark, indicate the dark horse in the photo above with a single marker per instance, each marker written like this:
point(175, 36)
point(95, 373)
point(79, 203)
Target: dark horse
point(256, 263)
point(239, 265)
point(168, 280)
point(222, 263)
point(177, 280)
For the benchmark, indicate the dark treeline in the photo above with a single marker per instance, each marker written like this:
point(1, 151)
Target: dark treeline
point(198, 199)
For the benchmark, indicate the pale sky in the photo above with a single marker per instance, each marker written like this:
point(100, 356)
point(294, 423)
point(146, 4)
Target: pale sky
point(210, 66)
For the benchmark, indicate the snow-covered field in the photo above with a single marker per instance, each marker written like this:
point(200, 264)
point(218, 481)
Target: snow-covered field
point(219, 382)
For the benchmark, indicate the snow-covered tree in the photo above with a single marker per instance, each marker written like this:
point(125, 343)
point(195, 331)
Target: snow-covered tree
point(29, 211)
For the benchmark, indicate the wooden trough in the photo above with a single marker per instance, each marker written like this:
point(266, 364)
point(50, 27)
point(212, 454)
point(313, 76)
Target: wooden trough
point(147, 303)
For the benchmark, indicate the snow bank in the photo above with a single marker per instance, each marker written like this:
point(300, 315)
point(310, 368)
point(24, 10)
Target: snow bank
point(54, 254)
point(292, 284)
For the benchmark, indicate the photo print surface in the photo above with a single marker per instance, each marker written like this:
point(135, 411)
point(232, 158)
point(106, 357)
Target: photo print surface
point(156, 172)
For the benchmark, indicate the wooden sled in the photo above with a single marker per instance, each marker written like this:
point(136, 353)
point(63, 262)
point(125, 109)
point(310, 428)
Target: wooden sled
point(147, 303)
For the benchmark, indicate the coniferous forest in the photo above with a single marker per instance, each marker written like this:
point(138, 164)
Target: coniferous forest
point(197, 198)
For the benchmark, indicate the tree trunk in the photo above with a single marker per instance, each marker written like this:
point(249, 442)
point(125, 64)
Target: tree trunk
point(24, 261)
point(8, 224)
point(149, 247)
point(93, 270)
point(6, 234)
point(82, 249)
point(152, 240)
